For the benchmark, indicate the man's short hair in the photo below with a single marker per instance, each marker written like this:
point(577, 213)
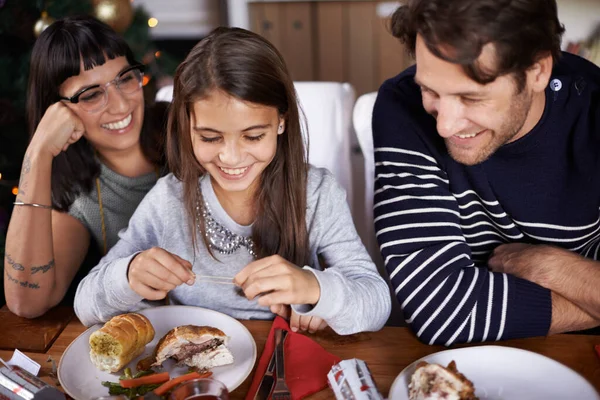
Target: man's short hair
point(521, 31)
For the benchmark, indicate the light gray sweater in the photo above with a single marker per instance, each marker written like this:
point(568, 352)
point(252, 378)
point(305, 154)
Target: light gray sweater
point(354, 297)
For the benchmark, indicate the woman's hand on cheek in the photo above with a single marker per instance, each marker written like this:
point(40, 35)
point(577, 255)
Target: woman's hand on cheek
point(278, 281)
point(58, 129)
point(155, 272)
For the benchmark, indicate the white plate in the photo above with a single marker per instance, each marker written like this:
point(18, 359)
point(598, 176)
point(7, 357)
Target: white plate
point(506, 373)
point(82, 380)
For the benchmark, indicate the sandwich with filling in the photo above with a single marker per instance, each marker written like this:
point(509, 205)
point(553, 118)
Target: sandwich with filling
point(200, 347)
point(435, 382)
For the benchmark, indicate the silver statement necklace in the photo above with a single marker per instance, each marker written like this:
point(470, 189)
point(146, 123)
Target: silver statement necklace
point(220, 238)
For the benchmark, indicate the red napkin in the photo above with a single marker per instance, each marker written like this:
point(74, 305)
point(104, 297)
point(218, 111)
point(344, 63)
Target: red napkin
point(597, 347)
point(306, 363)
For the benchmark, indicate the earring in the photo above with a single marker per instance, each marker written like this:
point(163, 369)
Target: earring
point(280, 130)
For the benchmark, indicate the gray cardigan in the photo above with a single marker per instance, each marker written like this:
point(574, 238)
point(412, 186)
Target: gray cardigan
point(120, 197)
point(354, 297)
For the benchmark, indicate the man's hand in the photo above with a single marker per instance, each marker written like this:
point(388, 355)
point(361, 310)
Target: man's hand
point(568, 317)
point(565, 273)
point(535, 263)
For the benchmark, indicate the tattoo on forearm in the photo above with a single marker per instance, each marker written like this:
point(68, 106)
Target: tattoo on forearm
point(22, 186)
point(26, 165)
point(16, 266)
point(43, 268)
point(25, 284)
point(24, 171)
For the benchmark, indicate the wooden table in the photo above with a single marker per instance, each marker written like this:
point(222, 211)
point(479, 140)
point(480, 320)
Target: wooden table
point(386, 352)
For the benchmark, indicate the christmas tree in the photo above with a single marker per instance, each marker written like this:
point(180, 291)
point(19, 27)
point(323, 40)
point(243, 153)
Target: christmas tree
point(21, 21)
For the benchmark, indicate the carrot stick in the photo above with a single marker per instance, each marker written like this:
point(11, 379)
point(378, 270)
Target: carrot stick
point(145, 380)
point(165, 387)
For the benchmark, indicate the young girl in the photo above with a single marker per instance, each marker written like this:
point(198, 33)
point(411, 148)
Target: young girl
point(88, 165)
point(242, 202)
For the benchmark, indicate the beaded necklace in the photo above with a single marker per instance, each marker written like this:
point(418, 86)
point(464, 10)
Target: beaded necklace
point(218, 237)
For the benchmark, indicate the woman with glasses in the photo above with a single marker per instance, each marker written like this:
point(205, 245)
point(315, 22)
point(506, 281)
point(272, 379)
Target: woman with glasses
point(93, 154)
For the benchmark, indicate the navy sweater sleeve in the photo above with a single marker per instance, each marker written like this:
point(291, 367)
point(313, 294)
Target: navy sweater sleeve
point(445, 297)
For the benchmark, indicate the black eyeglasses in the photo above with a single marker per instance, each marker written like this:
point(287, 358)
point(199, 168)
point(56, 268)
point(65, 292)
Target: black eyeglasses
point(94, 98)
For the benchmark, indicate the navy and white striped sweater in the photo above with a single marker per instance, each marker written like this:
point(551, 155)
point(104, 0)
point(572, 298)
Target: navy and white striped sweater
point(437, 221)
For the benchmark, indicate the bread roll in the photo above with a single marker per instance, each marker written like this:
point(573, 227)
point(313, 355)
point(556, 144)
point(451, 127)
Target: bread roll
point(119, 341)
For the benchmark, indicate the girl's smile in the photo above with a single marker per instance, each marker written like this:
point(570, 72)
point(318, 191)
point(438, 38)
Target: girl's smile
point(234, 141)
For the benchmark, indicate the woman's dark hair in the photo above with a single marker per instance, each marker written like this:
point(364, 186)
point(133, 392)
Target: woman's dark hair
point(522, 31)
point(245, 66)
point(57, 55)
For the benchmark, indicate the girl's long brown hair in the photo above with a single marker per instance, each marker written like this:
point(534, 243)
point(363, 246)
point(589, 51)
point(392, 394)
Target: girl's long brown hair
point(247, 67)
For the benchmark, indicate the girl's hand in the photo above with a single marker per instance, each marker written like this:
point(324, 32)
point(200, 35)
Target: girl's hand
point(306, 323)
point(299, 322)
point(283, 310)
point(58, 129)
point(278, 282)
point(155, 272)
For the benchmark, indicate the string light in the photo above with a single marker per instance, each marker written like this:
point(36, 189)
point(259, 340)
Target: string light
point(157, 54)
point(15, 190)
point(145, 80)
point(152, 22)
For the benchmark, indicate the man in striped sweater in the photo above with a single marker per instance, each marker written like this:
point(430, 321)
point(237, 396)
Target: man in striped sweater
point(487, 190)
